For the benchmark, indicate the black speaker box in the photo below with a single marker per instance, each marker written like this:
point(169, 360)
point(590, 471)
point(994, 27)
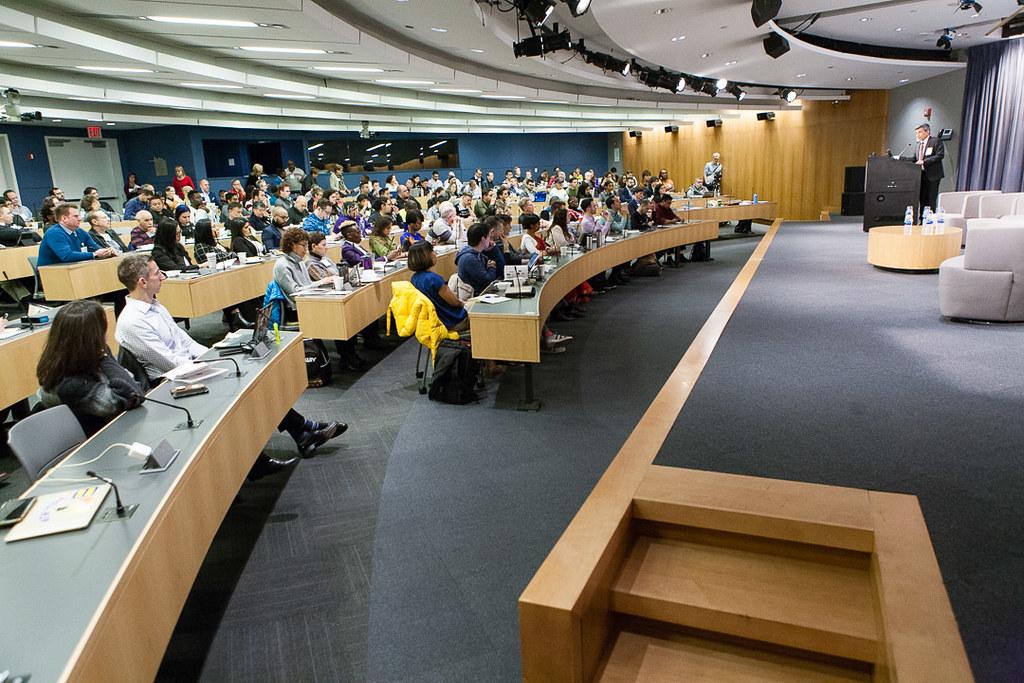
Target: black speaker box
point(714, 123)
point(766, 116)
point(887, 208)
point(775, 45)
point(853, 180)
point(763, 11)
point(671, 129)
point(853, 204)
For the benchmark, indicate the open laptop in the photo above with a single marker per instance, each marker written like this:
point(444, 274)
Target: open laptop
point(259, 334)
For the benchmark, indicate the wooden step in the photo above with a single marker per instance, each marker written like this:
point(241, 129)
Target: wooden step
point(643, 658)
point(830, 516)
point(789, 601)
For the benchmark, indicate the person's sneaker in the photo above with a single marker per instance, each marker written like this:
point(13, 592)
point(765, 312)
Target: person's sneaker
point(558, 338)
point(552, 348)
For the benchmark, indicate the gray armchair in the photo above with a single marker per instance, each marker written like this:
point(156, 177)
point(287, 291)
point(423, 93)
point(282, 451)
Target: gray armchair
point(987, 282)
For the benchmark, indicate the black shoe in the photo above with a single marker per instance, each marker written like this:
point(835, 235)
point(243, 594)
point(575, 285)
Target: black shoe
point(310, 441)
point(374, 343)
point(353, 364)
point(265, 465)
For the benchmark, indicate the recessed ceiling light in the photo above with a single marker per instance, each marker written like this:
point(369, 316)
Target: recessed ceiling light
point(289, 96)
point(663, 10)
point(229, 23)
point(801, 75)
point(351, 69)
point(14, 43)
point(678, 38)
point(109, 123)
point(863, 19)
point(904, 80)
point(457, 91)
point(898, 29)
point(730, 63)
point(503, 97)
point(437, 29)
point(550, 102)
point(476, 50)
point(402, 81)
point(284, 50)
point(216, 86)
point(705, 55)
point(116, 69)
point(849, 78)
point(316, 146)
point(57, 120)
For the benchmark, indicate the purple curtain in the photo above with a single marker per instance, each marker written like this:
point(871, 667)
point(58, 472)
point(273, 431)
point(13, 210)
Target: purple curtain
point(992, 141)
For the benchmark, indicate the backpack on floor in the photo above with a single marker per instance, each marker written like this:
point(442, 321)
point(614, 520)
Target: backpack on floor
point(455, 374)
point(647, 266)
point(318, 363)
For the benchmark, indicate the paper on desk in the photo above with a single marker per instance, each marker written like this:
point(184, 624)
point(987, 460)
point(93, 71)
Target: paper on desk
point(233, 339)
point(53, 513)
point(9, 332)
point(492, 299)
point(193, 372)
point(37, 310)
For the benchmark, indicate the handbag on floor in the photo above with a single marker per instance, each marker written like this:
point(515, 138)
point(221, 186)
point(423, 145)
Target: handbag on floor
point(647, 266)
point(455, 374)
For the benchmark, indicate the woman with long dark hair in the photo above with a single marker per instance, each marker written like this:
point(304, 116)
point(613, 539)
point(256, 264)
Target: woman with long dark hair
point(206, 244)
point(168, 251)
point(77, 369)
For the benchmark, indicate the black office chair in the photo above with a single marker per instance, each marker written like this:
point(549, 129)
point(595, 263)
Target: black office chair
point(130, 363)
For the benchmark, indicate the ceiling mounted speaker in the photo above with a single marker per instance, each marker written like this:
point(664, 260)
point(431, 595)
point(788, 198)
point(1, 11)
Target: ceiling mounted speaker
point(766, 116)
point(636, 133)
point(671, 129)
point(714, 123)
point(763, 11)
point(775, 45)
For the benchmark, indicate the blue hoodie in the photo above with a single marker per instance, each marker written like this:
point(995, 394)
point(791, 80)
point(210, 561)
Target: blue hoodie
point(473, 269)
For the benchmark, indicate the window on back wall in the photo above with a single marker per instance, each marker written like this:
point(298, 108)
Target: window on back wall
point(383, 154)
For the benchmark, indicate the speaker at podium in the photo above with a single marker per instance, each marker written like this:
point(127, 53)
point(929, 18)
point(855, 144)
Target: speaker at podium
point(890, 186)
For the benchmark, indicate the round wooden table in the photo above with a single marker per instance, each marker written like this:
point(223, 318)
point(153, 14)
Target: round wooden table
point(888, 247)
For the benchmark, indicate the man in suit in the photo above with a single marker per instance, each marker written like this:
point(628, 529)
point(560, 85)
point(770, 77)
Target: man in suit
point(99, 230)
point(927, 153)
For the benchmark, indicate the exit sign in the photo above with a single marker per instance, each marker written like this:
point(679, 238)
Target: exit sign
point(93, 132)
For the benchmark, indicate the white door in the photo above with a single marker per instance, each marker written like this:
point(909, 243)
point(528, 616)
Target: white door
point(8, 179)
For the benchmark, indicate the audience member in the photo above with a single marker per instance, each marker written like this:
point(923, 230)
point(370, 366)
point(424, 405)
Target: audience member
point(271, 236)
point(450, 310)
point(67, 242)
point(168, 251)
point(382, 244)
point(144, 230)
point(140, 202)
point(182, 183)
point(99, 230)
point(475, 269)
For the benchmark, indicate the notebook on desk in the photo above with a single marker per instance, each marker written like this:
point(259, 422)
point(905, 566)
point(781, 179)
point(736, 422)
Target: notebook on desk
point(54, 513)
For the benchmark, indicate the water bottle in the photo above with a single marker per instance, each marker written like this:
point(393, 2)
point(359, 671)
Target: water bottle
point(940, 221)
point(755, 198)
point(928, 228)
point(908, 221)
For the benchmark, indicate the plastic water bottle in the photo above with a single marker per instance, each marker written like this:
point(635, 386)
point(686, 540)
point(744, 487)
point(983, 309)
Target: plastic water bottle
point(755, 198)
point(928, 228)
point(908, 221)
point(940, 221)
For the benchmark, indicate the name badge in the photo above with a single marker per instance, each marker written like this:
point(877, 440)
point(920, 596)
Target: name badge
point(928, 151)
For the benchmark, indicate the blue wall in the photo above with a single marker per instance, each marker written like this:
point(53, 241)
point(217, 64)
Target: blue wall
point(184, 145)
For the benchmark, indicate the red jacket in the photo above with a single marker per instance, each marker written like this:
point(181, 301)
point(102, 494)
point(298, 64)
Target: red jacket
point(180, 184)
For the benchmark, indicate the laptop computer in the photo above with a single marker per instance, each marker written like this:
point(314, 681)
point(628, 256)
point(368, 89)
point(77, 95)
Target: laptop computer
point(259, 334)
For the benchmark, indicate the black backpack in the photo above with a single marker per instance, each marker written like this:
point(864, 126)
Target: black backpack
point(455, 374)
point(318, 363)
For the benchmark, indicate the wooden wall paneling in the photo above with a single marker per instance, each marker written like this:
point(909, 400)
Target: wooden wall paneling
point(798, 159)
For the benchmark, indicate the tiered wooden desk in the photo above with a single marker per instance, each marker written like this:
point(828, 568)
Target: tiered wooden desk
point(669, 574)
point(193, 297)
point(14, 262)
point(80, 280)
point(19, 356)
point(695, 209)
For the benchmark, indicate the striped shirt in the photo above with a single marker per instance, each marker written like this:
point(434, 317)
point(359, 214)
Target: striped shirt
point(150, 333)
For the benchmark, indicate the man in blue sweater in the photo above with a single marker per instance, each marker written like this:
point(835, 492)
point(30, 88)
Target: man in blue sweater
point(65, 242)
point(137, 203)
point(475, 268)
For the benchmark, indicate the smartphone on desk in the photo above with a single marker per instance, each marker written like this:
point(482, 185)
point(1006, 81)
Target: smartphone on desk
point(13, 511)
point(189, 390)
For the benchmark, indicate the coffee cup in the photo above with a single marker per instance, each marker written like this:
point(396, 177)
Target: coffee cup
point(339, 283)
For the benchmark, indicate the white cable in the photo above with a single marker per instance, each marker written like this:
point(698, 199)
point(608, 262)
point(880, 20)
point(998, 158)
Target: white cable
point(89, 462)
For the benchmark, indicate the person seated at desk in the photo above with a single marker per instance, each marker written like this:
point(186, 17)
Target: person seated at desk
point(159, 207)
point(76, 368)
point(183, 217)
point(641, 218)
point(450, 310)
point(352, 251)
point(146, 329)
point(144, 231)
point(168, 252)
point(137, 203)
point(533, 242)
point(242, 240)
point(67, 242)
point(297, 211)
point(475, 268)
point(272, 233)
point(381, 243)
point(698, 189)
point(511, 255)
point(22, 213)
point(12, 235)
point(259, 219)
point(320, 220)
point(413, 225)
point(207, 246)
point(319, 265)
point(199, 208)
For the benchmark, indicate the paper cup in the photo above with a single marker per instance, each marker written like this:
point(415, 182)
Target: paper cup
point(339, 283)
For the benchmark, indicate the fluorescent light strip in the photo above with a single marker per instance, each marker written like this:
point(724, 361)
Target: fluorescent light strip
point(229, 23)
point(284, 50)
point(217, 86)
point(457, 91)
point(289, 96)
point(438, 144)
point(503, 97)
point(14, 43)
point(370, 149)
point(116, 69)
point(351, 69)
point(316, 146)
point(393, 81)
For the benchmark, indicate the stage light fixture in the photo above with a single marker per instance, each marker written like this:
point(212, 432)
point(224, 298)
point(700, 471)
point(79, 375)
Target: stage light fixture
point(578, 7)
point(945, 41)
point(529, 47)
point(763, 11)
point(536, 11)
point(787, 94)
point(968, 5)
point(661, 79)
point(775, 45)
point(603, 61)
point(708, 88)
point(737, 92)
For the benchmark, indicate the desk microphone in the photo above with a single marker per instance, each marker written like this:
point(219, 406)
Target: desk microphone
point(909, 145)
point(238, 371)
point(117, 496)
point(190, 423)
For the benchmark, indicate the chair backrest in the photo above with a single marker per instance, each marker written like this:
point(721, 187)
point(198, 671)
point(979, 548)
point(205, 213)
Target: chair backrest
point(1018, 209)
point(972, 203)
point(462, 290)
point(998, 205)
point(997, 247)
point(33, 262)
point(41, 440)
point(130, 363)
point(953, 202)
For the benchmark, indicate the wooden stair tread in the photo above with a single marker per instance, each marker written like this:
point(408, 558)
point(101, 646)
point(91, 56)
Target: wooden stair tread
point(783, 600)
point(641, 658)
point(830, 516)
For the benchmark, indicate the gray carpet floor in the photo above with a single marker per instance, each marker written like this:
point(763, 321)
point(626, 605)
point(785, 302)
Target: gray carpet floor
point(835, 372)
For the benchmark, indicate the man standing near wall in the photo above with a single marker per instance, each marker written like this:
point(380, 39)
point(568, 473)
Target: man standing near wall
point(928, 153)
point(293, 176)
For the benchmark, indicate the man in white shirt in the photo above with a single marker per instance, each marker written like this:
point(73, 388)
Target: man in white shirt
point(17, 209)
point(435, 181)
point(293, 176)
point(148, 331)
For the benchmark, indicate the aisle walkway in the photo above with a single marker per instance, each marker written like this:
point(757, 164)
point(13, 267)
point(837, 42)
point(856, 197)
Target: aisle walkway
point(835, 372)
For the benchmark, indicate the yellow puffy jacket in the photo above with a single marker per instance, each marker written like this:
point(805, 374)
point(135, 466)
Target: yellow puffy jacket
point(415, 313)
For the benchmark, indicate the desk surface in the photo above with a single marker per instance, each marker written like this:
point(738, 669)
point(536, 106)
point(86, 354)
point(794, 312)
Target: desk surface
point(19, 356)
point(80, 280)
point(192, 297)
point(14, 262)
point(101, 603)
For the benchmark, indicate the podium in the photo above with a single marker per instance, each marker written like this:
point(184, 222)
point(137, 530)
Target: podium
point(890, 186)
